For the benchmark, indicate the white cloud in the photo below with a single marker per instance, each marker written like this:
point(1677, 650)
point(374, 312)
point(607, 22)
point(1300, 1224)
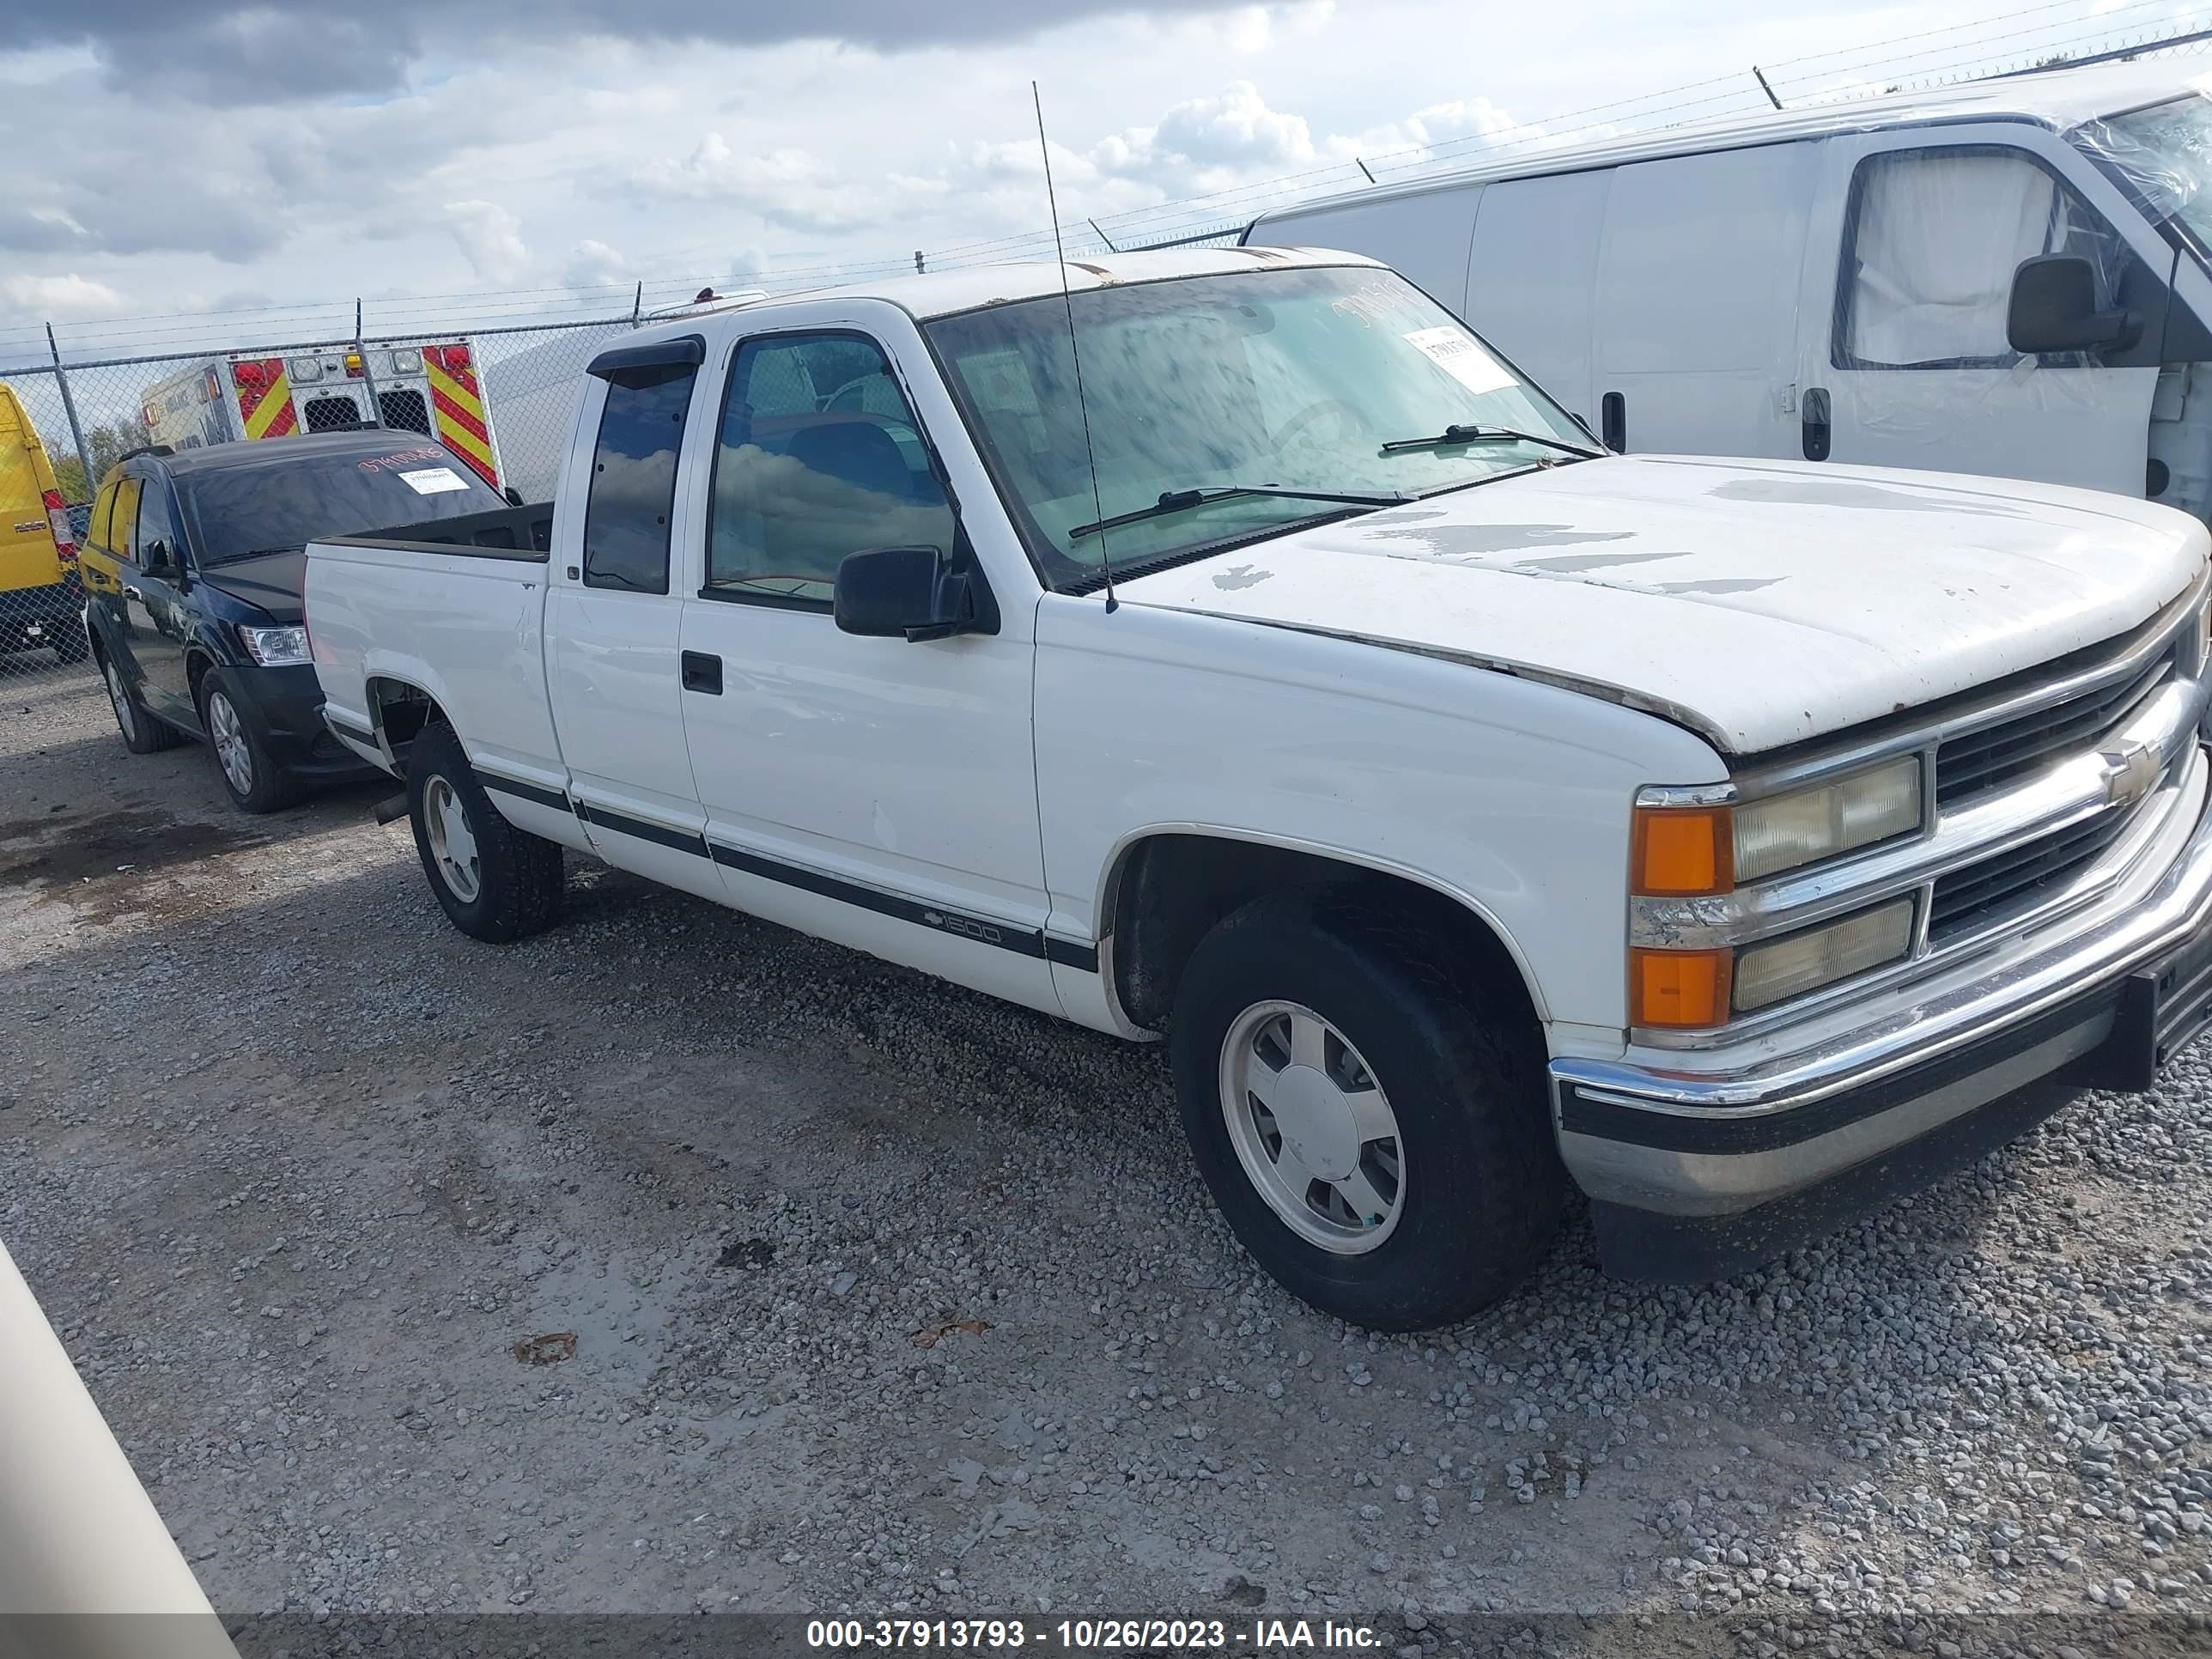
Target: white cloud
point(786, 186)
point(1201, 142)
point(592, 264)
point(66, 296)
point(490, 238)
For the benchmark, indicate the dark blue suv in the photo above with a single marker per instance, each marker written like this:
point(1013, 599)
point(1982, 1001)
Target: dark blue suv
point(193, 568)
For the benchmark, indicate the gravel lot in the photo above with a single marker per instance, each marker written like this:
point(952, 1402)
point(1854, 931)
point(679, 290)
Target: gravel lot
point(884, 1295)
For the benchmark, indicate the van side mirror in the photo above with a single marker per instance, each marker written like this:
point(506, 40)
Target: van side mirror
point(914, 592)
point(2054, 308)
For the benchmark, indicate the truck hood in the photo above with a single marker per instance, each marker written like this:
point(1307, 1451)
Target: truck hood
point(1758, 603)
point(273, 582)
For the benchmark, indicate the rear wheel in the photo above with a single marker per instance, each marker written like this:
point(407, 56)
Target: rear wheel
point(494, 881)
point(142, 734)
point(1367, 1108)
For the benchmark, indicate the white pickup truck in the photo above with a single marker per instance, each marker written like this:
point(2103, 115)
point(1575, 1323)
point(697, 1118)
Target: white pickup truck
point(1471, 810)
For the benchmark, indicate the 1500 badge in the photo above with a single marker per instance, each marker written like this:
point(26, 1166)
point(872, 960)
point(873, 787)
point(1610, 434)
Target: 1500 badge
point(973, 929)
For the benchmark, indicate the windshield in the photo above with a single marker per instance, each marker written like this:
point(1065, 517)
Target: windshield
point(2164, 155)
point(1284, 378)
point(263, 506)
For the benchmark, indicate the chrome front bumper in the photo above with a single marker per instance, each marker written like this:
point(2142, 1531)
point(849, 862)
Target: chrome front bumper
point(1701, 1173)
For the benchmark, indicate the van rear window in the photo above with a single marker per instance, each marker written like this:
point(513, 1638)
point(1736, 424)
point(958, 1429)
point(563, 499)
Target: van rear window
point(271, 507)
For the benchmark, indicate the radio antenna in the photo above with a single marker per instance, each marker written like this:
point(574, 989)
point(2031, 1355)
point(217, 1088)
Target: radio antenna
point(1068, 301)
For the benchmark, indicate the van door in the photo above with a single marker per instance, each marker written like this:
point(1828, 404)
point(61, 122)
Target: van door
point(1532, 277)
point(1903, 357)
point(1697, 299)
point(613, 662)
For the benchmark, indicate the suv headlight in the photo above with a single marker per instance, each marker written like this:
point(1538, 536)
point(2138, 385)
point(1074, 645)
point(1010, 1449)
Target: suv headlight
point(276, 647)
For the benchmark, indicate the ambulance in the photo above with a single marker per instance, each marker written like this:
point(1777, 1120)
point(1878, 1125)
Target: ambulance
point(432, 389)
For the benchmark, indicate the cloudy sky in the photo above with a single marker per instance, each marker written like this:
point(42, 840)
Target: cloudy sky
point(487, 158)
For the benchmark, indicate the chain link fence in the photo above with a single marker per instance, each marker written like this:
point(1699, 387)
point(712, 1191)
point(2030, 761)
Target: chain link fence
point(499, 399)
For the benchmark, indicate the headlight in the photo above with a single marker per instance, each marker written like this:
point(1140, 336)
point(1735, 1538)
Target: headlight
point(276, 647)
point(1784, 968)
point(1783, 832)
point(1684, 852)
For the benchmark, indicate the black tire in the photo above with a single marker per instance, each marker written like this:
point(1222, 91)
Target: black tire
point(143, 734)
point(519, 877)
point(1458, 1057)
point(265, 786)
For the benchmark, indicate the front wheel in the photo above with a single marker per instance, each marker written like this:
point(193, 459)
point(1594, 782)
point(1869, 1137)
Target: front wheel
point(495, 882)
point(257, 784)
point(1367, 1109)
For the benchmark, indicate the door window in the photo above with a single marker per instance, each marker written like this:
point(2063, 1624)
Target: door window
point(819, 455)
point(633, 491)
point(1931, 241)
point(103, 510)
point(157, 523)
point(121, 542)
point(327, 414)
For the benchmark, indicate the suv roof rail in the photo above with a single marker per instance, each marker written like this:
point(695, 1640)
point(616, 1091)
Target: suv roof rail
point(146, 449)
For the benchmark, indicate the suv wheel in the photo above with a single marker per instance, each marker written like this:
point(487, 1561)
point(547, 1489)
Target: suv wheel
point(143, 734)
point(256, 783)
point(494, 881)
point(1368, 1112)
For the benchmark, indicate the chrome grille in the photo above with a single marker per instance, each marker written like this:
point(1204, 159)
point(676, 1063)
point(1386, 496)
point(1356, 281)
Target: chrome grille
point(1996, 755)
point(1971, 897)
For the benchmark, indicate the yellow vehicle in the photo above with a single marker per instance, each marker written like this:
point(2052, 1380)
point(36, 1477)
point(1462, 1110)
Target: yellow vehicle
point(40, 602)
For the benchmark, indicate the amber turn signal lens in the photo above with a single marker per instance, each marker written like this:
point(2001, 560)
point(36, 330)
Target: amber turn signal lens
point(1678, 989)
point(1681, 851)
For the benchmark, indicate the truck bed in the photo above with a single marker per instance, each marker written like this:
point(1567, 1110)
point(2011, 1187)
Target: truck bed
point(455, 606)
point(526, 530)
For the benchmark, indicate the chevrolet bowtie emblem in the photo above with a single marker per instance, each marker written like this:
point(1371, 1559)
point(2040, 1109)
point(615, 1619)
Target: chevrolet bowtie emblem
point(2130, 770)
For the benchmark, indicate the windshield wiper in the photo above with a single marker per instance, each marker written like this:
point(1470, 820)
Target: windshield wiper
point(1182, 500)
point(1453, 436)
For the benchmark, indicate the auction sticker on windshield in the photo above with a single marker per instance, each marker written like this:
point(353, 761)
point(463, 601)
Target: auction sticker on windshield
point(434, 480)
point(1456, 353)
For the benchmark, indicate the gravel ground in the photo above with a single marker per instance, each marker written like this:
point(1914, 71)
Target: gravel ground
point(673, 1261)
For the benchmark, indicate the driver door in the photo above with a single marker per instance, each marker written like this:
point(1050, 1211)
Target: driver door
point(1905, 359)
point(877, 791)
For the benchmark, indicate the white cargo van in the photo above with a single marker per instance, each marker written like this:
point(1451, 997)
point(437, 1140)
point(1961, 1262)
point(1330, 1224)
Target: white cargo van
point(2010, 277)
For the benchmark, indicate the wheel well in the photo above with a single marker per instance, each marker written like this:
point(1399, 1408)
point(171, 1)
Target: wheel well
point(196, 670)
point(400, 711)
point(1170, 889)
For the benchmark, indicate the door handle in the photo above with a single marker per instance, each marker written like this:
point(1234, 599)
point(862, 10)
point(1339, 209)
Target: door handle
point(703, 672)
point(1613, 422)
point(1812, 409)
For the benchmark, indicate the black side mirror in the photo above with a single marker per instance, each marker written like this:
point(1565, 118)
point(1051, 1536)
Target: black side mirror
point(513, 496)
point(2054, 308)
point(913, 591)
